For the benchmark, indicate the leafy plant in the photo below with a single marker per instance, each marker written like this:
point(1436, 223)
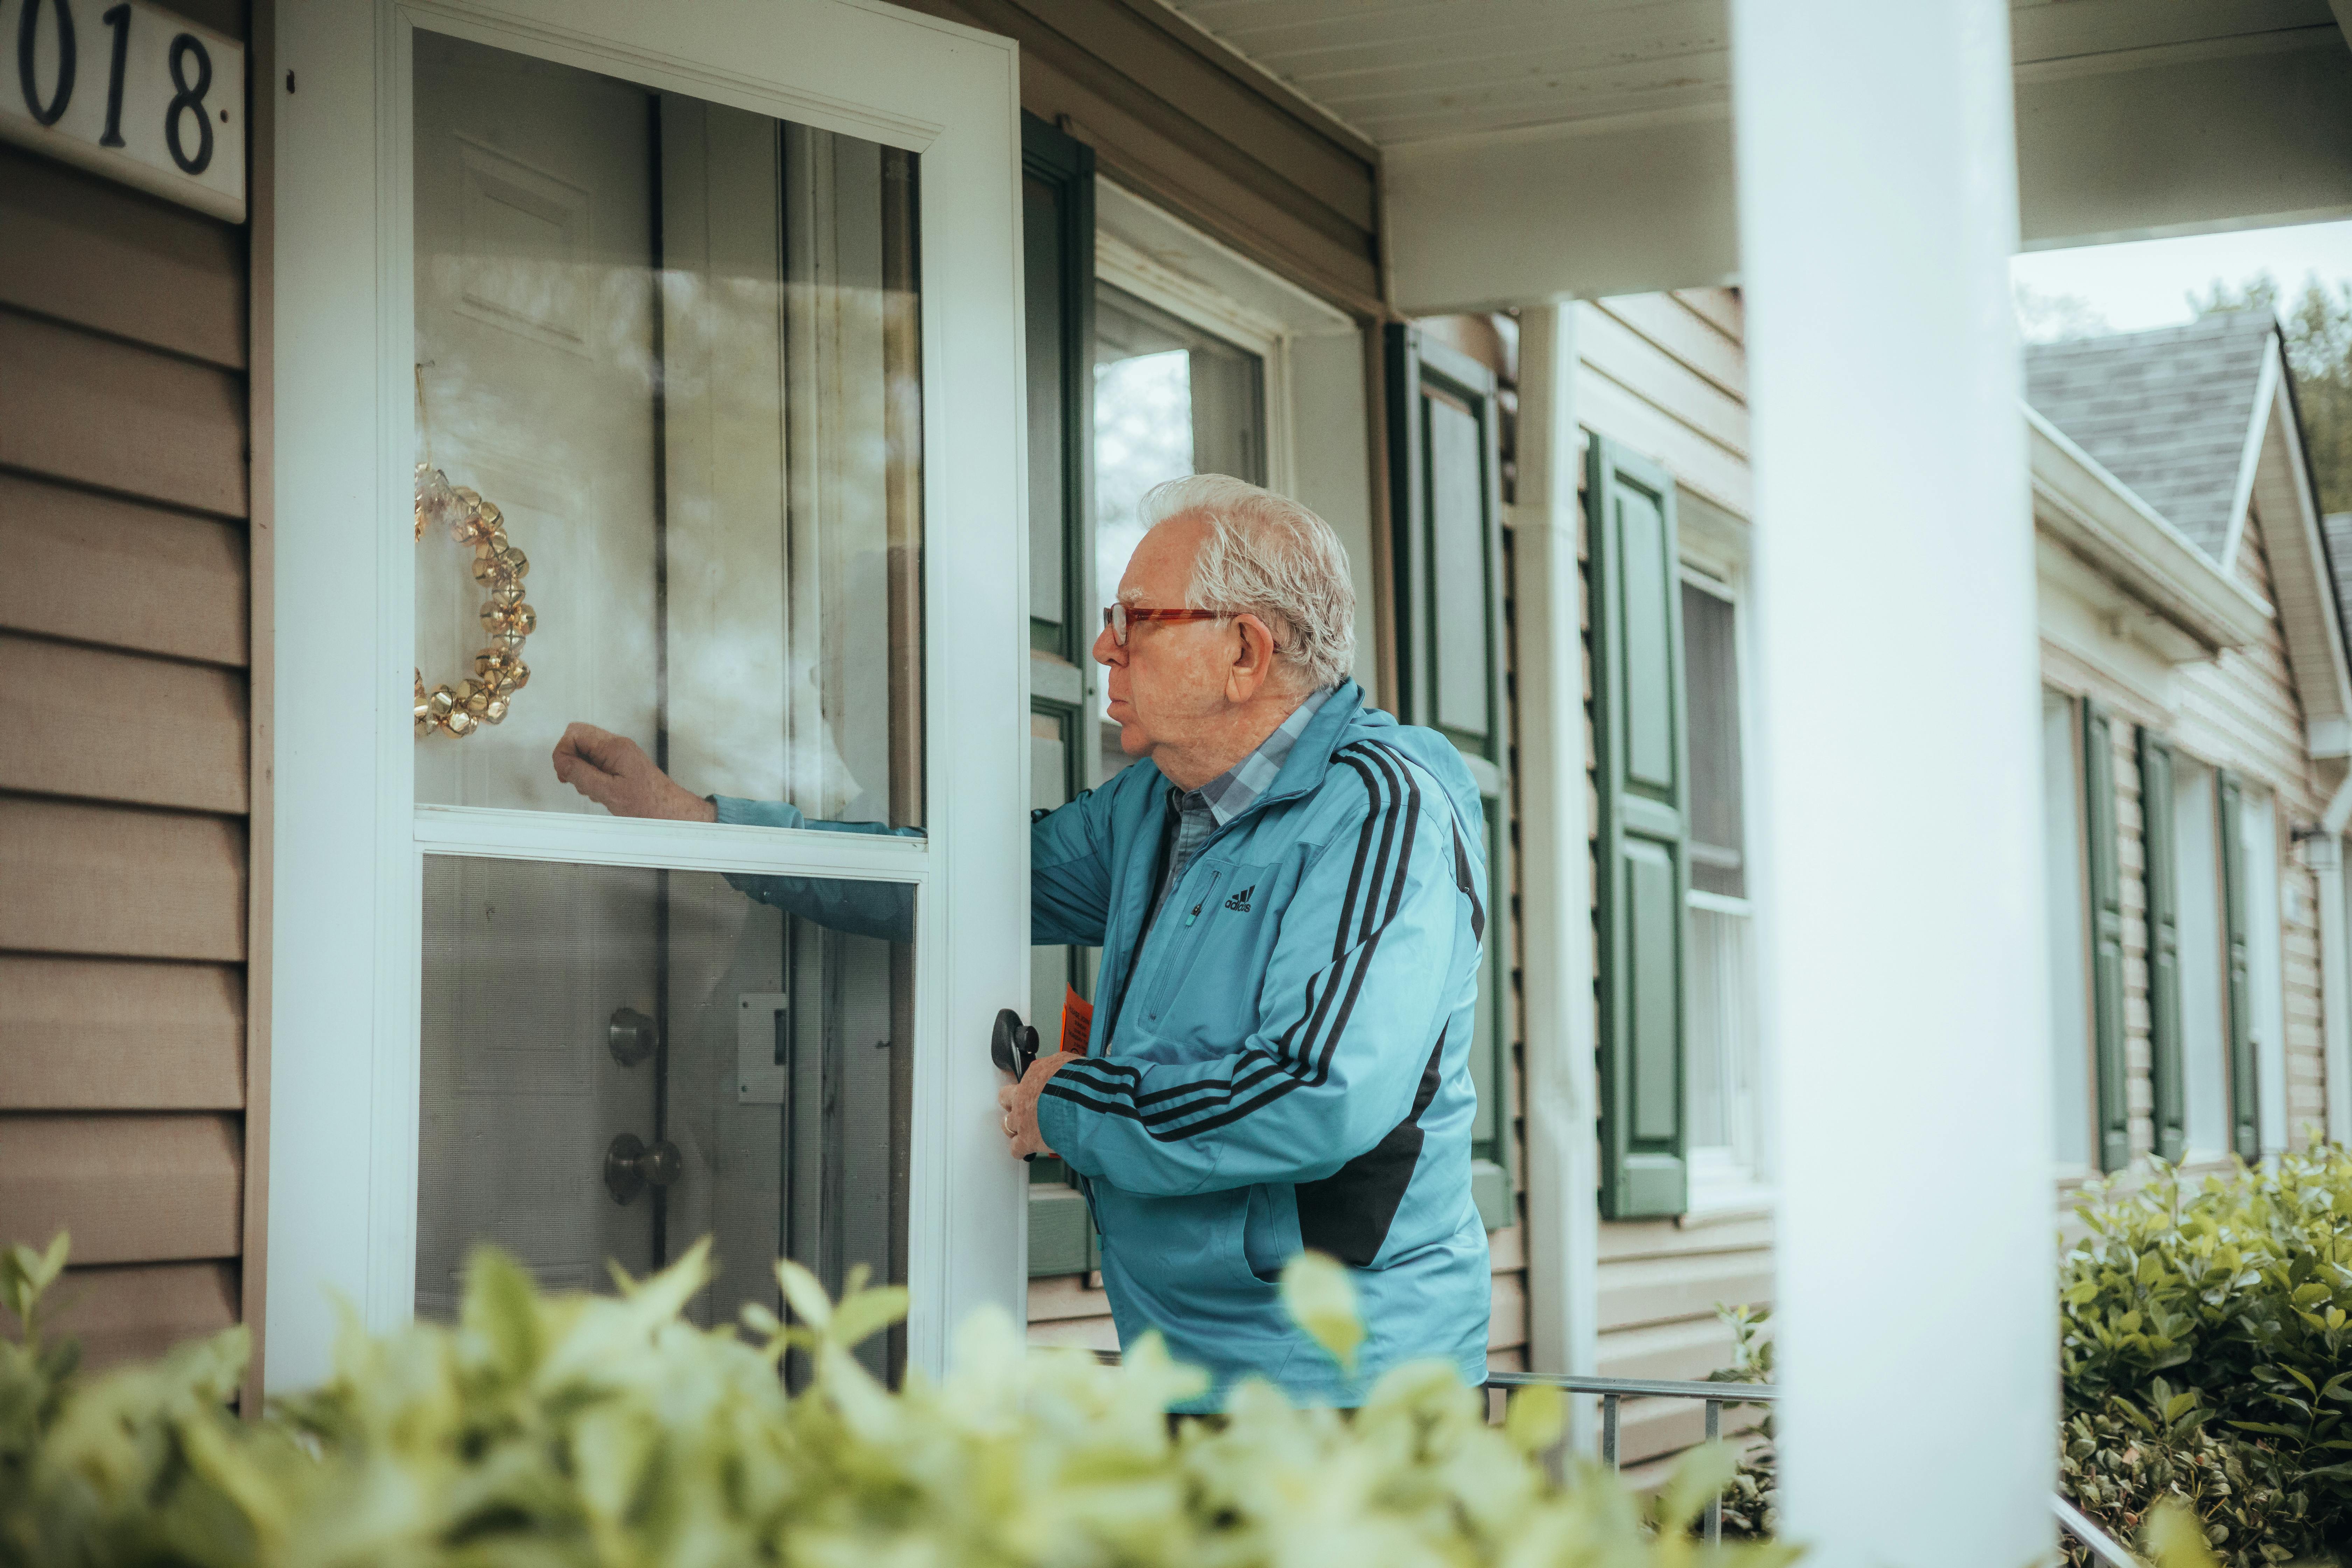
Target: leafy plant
point(2207, 1334)
point(2126, 1462)
point(603, 1430)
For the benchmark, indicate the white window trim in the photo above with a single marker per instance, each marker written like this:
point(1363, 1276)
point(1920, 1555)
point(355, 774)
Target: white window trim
point(1134, 271)
point(349, 840)
point(1721, 1188)
point(2071, 1173)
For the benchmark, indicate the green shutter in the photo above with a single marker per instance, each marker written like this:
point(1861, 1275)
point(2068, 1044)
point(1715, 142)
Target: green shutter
point(1057, 206)
point(1640, 751)
point(2162, 873)
point(2114, 1104)
point(2245, 1121)
point(1445, 487)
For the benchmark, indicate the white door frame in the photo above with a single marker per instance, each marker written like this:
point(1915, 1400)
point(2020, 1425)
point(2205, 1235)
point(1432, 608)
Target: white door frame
point(349, 838)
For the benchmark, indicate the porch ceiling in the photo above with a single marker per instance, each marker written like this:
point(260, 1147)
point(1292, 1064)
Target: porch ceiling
point(1612, 117)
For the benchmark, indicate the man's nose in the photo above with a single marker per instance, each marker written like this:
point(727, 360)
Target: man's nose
point(1106, 649)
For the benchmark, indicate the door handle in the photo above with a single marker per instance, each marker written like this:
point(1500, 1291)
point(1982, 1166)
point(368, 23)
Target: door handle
point(1011, 1045)
point(631, 1167)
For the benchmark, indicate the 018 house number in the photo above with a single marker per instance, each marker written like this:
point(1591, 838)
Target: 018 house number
point(129, 90)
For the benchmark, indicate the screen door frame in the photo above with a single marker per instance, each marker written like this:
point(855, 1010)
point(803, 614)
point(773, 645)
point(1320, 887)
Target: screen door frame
point(348, 838)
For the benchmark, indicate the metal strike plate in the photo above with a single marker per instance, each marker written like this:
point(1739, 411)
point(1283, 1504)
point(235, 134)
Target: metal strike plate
point(759, 1072)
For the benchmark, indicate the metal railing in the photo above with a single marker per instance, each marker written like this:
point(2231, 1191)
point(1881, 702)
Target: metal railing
point(1612, 1393)
point(1615, 1391)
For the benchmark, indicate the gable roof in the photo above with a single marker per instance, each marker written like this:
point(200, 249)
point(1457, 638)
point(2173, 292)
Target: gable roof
point(2167, 412)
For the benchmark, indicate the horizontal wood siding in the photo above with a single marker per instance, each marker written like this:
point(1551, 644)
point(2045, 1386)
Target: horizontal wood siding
point(111, 1034)
point(131, 1189)
point(2243, 711)
point(124, 787)
point(140, 1311)
point(104, 725)
point(1177, 118)
point(1666, 375)
point(96, 569)
point(2240, 711)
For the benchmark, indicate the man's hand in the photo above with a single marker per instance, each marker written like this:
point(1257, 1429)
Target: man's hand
point(615, 772)
point(1019, 1101)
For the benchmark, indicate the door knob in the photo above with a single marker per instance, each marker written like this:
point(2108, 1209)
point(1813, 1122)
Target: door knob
point(630, 1035)
point(631, 1167)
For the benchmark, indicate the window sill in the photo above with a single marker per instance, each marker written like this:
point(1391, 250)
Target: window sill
point(1727, 1202)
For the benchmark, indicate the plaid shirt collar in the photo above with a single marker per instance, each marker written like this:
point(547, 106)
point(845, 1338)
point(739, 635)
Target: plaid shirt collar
point(1236, 789)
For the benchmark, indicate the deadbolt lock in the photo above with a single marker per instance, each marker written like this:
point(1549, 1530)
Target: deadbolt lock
point(631, 1167)
point(630, 1035)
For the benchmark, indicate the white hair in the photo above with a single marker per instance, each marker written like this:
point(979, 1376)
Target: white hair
point(1268, 556)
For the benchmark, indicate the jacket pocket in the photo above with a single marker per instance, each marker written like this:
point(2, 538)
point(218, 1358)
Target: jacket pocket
point(1190, 913)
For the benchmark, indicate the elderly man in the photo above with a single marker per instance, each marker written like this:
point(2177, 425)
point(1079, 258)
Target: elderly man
point(1289, 900)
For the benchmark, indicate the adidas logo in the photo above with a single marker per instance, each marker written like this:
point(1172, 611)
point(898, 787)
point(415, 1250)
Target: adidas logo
point(1241, 901)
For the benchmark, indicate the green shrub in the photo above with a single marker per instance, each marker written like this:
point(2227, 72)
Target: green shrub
point(603, 1430)
point(2207, 1354)
point(2123, 1462)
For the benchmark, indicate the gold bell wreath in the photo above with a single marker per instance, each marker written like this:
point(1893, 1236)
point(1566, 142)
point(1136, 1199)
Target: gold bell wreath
point(498, 669)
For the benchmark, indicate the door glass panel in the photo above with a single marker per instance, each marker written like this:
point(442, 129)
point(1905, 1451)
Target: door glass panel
point(674, 347)
point(619, 1060)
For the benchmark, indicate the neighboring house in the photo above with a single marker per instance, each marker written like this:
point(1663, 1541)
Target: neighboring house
point(2195, 696)
point(816, 354)
point(2197, 721)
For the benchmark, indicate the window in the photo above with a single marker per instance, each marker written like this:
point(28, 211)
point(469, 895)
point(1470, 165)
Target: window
point(2068, 898)
point(1721, 978)
point(2204, 974)
point(2266, 1011)
point(1170, 399)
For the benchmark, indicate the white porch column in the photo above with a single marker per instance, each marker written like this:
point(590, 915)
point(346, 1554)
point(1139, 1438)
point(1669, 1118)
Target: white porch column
point(1556, 888)
point(1905, 966)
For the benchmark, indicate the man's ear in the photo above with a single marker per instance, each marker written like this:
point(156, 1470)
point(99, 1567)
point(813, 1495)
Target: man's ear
point(1253, 664)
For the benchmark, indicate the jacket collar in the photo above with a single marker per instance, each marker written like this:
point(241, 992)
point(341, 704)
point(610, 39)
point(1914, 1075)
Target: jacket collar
point(1311, 759)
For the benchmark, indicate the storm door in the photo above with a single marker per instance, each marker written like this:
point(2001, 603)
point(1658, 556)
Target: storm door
point(668, 400)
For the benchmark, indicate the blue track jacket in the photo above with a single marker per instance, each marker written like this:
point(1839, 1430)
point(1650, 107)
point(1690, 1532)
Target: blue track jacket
point(1282, 1061)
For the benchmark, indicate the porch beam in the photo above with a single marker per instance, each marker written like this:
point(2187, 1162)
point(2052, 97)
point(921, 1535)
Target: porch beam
point(1901, 919)
point(2239, 139)
point(2124, 146)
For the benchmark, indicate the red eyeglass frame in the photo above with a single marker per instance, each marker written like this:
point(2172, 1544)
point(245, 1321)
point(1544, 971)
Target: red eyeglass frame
point(1118, 619)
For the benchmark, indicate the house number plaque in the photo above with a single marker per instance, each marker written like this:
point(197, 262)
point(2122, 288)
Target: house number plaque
point(128, 90)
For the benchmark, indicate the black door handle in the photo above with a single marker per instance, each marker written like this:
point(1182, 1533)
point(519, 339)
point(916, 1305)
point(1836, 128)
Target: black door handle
point(1013, 1045)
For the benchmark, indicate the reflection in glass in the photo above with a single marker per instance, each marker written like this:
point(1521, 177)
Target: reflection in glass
point(676, 344)
point(1169, 400)
point(569, 1006)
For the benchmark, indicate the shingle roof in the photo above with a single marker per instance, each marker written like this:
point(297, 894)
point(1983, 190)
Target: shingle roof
point(2166, 412)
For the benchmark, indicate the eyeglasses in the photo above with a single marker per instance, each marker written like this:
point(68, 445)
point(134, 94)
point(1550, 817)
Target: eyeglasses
point(1119, 618)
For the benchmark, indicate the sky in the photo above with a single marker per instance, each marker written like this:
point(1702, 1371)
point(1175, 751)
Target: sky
point(2133, 287)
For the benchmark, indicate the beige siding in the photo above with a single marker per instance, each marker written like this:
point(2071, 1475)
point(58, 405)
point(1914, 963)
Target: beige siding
point(124, 790)
point(2243, 712)
point(1666, 375)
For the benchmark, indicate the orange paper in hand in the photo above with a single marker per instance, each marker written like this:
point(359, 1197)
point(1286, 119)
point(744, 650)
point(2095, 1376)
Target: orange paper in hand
point(1077, 1022)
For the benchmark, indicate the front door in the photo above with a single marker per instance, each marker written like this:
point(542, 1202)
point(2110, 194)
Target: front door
point(699, 424)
